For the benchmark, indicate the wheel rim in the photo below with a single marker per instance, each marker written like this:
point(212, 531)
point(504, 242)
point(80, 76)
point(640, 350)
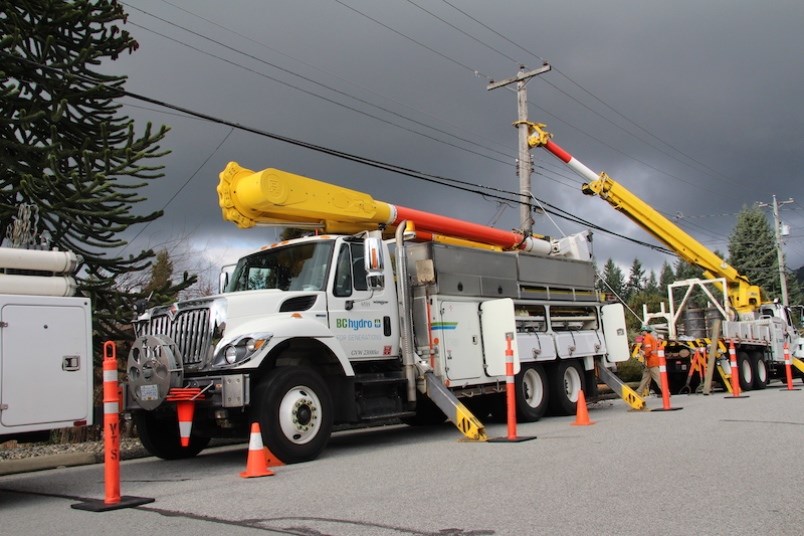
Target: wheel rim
point(572, 383)
point(300, 414)
point(762, 371)
point(748, 375)
point(532, 388)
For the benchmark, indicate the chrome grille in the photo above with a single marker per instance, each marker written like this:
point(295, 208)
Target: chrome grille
point(190, 330)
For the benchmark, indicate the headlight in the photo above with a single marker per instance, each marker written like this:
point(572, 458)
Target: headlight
point(240, 349)
point(230, 354)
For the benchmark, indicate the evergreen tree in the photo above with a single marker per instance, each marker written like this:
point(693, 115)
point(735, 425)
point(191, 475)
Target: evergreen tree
point(64, 146)
point(160, 287)
point(666, 277)
point(752, 251)
point(685, 270)
point(651, 285)
point(636, 279)
point(612, 279)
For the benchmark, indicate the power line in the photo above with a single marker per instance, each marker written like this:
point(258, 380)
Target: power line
point(434, 51)
point(182, 187)
point(297, 60)
point(326, 99)
point(435, 179)
point(351, 96)
point(470, 36)
point(710, 171)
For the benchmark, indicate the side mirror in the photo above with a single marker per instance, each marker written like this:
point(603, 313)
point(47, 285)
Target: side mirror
point(374, 261)
point(223, 278)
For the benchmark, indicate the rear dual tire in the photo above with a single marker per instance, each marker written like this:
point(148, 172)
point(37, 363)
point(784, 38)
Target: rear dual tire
point(567, 380)
point(532, 393)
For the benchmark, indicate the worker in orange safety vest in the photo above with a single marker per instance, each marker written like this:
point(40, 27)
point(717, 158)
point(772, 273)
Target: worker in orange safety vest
point(650, 351)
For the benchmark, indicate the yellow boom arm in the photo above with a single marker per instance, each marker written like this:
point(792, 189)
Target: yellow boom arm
point(744, 296)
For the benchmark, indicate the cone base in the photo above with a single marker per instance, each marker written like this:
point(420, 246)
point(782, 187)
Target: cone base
point(100, 506)
point(256, 474)
point(515, 439)
point(270, 459)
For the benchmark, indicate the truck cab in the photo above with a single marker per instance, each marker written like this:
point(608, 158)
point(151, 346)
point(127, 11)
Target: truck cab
point(302, 305)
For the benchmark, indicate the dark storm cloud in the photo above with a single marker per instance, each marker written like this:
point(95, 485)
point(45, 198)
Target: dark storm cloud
point(695, 106)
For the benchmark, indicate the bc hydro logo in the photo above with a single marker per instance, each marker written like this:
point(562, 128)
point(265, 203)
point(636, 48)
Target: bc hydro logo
point(356, 324)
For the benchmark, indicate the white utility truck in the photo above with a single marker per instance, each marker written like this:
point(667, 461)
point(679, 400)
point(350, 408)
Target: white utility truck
point(390, 313)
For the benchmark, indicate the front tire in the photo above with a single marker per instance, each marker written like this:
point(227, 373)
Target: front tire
point(159, 434)
point(566, 383)
point(295, 412)
point(532, 393)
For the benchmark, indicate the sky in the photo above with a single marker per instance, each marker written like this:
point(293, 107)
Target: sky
point(695, 106)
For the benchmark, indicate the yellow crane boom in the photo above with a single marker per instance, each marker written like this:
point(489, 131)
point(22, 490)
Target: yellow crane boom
point(743, 296)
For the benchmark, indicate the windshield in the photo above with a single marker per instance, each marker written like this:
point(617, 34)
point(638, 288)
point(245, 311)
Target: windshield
point(295, 267)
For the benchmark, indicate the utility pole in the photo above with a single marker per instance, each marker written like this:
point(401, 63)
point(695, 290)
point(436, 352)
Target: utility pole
point(778, 233)
point(521, 80)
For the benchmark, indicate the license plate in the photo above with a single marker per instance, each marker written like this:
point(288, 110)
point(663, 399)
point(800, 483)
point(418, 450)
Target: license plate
point(149, 392)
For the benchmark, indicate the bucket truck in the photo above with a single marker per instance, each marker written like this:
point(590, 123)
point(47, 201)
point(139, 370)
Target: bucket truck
point(759, 329)
point(387, 313)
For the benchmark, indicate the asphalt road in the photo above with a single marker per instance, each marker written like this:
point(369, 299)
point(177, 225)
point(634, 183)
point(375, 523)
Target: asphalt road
point(717, 466)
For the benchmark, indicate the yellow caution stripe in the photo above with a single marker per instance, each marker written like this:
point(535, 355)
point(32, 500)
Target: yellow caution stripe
point(468, 424)
point(632, 398)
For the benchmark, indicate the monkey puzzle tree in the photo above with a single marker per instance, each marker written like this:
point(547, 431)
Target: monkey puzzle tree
point(66, 149)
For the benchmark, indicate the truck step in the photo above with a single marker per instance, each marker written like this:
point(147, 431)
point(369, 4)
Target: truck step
point(389, 416)
point(379, 381)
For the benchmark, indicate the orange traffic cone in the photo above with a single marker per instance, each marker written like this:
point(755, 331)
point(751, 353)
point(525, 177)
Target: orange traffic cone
point(255, 465)
point(270, 459)
point(582, 414)
point(185, 410)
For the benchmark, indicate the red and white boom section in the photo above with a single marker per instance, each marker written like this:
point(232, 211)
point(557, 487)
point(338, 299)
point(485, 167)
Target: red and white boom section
point(275, 197)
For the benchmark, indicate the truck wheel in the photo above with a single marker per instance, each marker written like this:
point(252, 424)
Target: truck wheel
point(760, 371)
point(531, 393)
point(294, 409)
point(160, 436)
point(566, 382)
point(745, 369)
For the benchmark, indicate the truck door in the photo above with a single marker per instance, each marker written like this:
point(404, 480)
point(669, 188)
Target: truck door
point(363, 320)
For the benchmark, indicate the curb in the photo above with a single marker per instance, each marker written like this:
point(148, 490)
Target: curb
point(52, 461)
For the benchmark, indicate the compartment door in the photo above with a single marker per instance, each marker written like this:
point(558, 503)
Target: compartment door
point(45, 359)
point(459, 336)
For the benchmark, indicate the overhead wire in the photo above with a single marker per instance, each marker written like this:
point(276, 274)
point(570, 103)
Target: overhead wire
point(324, 98)
point(350, 96)
point(436, 179)
point(590, 94)
point(183, 186)
point(347, 95)
point(298, 61)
